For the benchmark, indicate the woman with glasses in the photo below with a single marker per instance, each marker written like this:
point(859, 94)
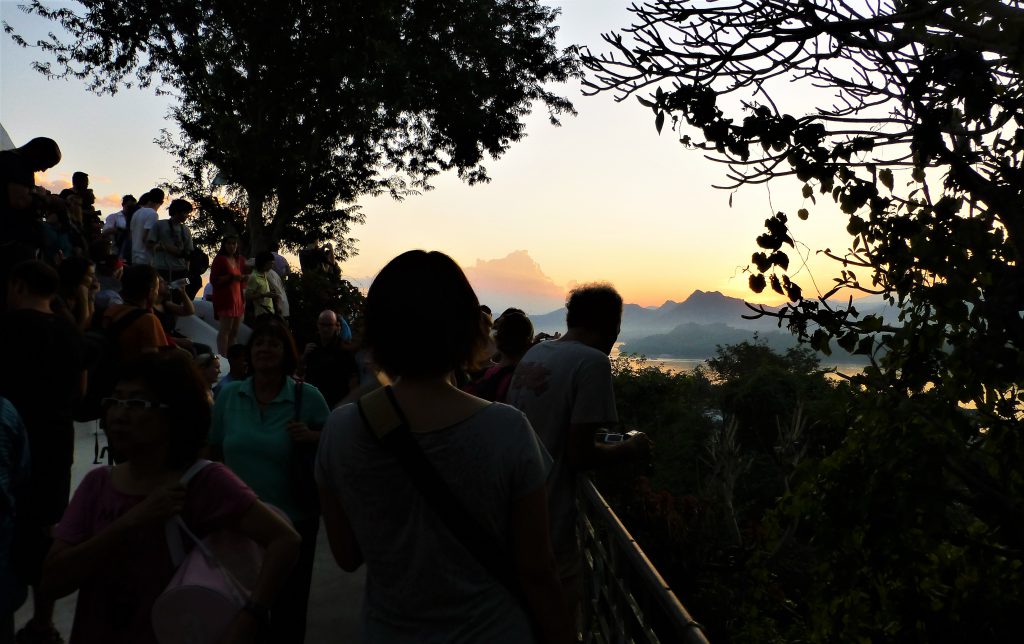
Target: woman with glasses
point(266, 429)
point(496, 582)
point(111, 546)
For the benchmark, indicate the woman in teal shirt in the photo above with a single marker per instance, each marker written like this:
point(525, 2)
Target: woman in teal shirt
point(257, 425)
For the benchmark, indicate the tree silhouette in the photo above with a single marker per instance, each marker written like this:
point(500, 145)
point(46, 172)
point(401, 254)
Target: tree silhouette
point(917, 134)
point(303, 106)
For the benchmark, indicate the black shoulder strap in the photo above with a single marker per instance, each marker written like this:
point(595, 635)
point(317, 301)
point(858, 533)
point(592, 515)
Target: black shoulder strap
point(125, 321)
point(384, 419)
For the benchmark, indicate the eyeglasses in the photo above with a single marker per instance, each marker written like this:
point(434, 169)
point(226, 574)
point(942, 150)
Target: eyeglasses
point(131, 403)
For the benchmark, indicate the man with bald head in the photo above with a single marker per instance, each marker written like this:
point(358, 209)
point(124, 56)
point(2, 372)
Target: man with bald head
point(328, 364)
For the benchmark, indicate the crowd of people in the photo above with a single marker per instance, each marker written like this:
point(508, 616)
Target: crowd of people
point(440, 448)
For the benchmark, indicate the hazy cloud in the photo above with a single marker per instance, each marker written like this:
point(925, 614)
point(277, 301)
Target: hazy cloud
point(515, 280)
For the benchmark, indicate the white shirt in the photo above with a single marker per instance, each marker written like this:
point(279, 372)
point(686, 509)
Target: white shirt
point(142, 222)
point(115, 221)
point(277, 286)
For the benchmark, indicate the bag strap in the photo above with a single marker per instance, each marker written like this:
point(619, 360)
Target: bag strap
point(298, 398)
point(384, 419)
point(125, 321)
point(175, 525)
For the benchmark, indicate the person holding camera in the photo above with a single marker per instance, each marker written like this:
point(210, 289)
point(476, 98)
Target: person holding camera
point(173, 242)
point(564, 387)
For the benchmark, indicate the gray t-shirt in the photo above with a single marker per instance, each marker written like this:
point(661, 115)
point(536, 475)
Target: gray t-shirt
point(168, 233)
point(422, 585)
point(557, 384)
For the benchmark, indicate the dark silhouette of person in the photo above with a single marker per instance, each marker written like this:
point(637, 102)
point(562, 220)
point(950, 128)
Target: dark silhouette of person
point(44, 373)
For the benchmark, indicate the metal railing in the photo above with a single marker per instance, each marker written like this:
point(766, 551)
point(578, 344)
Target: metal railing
point(627, 601)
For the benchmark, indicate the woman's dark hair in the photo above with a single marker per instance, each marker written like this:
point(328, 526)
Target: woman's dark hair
point(422, 317)
point(176, 382)
point(513, 333)
point(72, 271)
point(224, 242)
point(272, 326)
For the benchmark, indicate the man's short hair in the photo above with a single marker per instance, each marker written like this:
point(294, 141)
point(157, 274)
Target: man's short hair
point(422, 317)
point(594, 306)
point(128, 198)
point(236, 351)
point(40, 279)
point(78, 174)
point(179, 206)
point(137, 281)
point(156, 194)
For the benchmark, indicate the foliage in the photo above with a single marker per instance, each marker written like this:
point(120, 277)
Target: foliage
point(304, 105)
point(919, 511)
point(312, 291)
point(709, 517)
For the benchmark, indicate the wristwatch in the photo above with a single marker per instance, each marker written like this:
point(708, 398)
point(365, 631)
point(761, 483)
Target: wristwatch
point(257, 610)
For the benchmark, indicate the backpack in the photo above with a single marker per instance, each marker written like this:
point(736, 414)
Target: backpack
point(104, 349)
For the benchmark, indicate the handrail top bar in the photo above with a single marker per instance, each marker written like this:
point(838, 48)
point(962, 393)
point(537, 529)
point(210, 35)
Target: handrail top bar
point(684, 622)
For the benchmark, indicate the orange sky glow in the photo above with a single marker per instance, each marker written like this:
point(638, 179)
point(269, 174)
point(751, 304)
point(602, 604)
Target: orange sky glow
point(602, 198)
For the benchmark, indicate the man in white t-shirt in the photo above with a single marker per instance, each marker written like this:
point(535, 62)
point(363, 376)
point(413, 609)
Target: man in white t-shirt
point(116, 222)
point(564, 387)
point(142, 224)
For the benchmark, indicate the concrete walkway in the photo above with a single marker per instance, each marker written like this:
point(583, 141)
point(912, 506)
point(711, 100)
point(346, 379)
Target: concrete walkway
point(336, 596)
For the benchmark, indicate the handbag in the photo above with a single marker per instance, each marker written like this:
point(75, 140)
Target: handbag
point(384, 419)
point(305, 492)
point(203, 596)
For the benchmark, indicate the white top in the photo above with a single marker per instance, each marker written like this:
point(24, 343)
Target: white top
point(115, 221)
point(142, 222)
point(277, 286)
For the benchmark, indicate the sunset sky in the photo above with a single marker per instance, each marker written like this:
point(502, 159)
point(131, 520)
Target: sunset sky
point(603, 197)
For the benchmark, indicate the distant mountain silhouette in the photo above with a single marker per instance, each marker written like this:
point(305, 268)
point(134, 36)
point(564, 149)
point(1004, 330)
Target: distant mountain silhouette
point(694, 327)
point(701, 307)
point(691, 340)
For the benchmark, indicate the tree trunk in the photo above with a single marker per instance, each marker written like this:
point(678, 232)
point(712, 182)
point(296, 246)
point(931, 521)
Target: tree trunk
point(255, 229)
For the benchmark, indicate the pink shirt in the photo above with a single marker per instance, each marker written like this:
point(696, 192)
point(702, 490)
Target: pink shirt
point(114, 605)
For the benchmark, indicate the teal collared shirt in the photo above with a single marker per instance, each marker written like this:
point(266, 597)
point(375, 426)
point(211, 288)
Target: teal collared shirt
point(255, 442)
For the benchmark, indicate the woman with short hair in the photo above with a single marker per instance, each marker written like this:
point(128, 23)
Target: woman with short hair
point(261, 427)
point(111, 546)
point(423, 583)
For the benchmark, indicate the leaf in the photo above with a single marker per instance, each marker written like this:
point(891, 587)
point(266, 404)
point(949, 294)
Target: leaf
point(918, 175)
point(756, 283)
point(659, 121)
point(802, 214)
point(808, 190)
point(885, 176)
